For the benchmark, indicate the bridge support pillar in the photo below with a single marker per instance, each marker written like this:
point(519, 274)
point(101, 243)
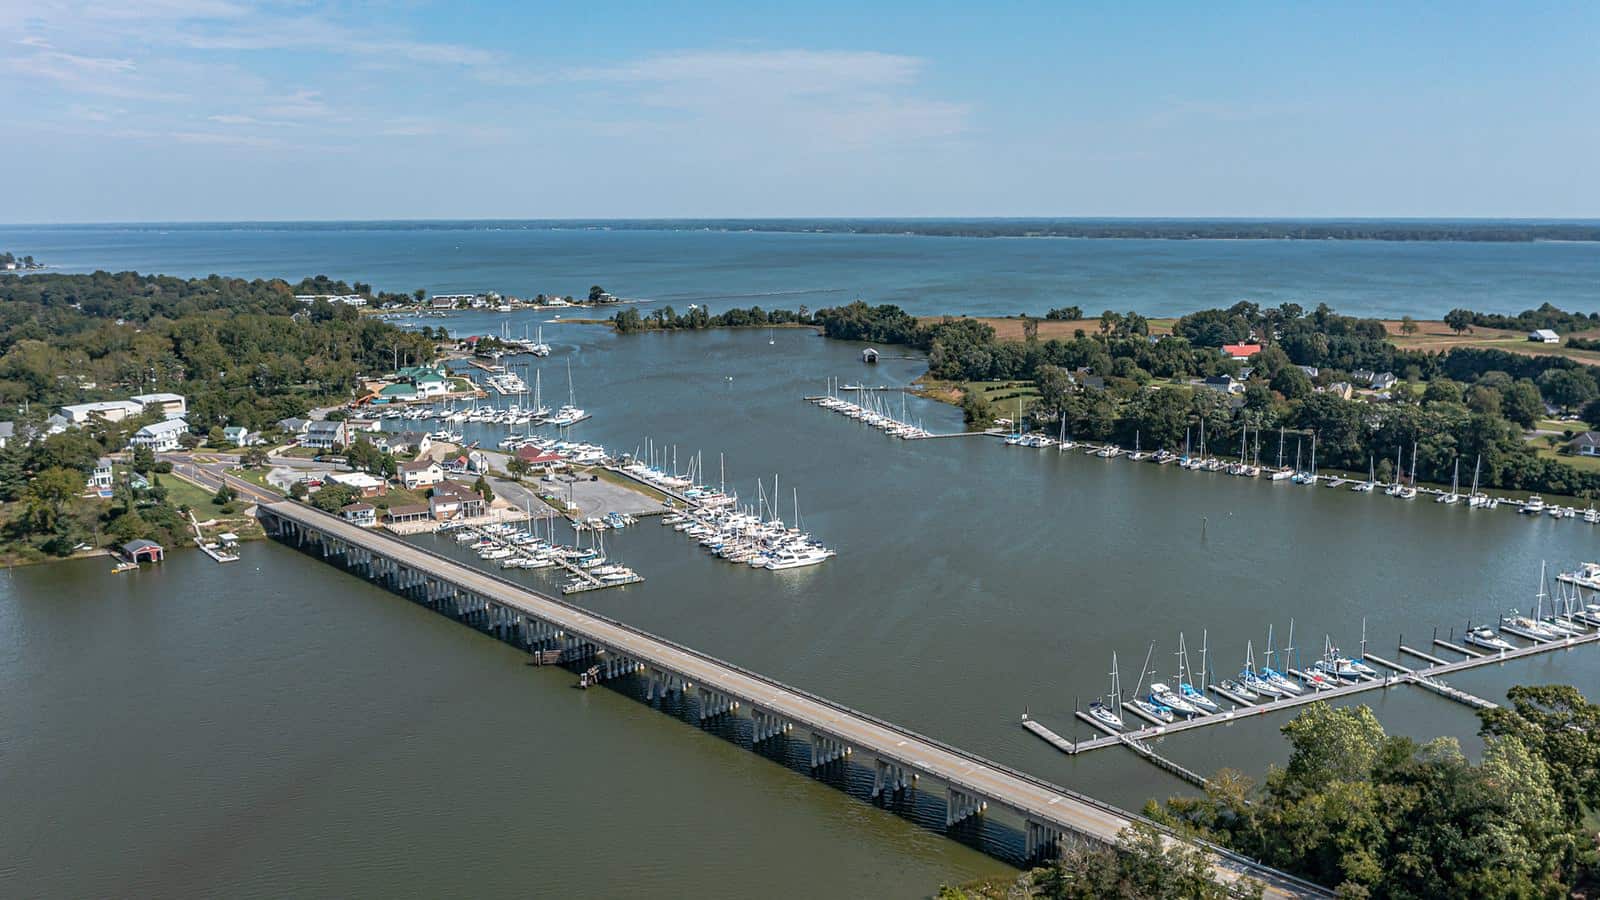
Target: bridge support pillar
point(1044, 840)
point(767, 725)
point(960, 806)
point(889, 778)
point(826, 749)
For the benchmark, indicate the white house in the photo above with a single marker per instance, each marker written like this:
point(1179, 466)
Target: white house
point(324, 435)
point(420, 473)
point(101, 478)
point(1544, 336)
point(173, 406)
point(160, 437)
point(363, 484)
point(110, 410)
point(362, 514)
point(1383, 381)
point(8, 433)
point(1586, 444)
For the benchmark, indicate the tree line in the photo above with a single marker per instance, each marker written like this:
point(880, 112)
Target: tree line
point(244, 352)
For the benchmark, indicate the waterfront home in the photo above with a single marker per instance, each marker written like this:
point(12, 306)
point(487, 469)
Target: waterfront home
point(101, 479)
point(143, 551)
point(364, 515)
point(172, 406)
point(420, 473)
point(452, 499)
point(355, 426)
point(415, 442)
point(1240, 352)
point(1341, 389)
point(1084, 378)
point(109, 410)
point(1364, 376)
point(1383, 381)
point(1311, 371)
point(294, 427)
point(363, 484)
point(1586, 444)
point(1544, 336)
point(160, 437)
point(1224, 383)
point(399, 515)
point(323, 435)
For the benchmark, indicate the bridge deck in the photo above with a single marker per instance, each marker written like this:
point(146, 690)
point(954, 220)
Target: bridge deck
point(1023, 794)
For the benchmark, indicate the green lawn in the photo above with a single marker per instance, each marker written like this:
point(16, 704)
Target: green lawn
point(257, 477)
point(182, 493)
point(1582, 463)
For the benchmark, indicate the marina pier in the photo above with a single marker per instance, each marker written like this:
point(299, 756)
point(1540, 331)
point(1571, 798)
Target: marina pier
point(1050, 816)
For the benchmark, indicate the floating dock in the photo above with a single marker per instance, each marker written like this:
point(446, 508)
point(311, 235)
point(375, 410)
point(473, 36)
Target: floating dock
point(1428, 678)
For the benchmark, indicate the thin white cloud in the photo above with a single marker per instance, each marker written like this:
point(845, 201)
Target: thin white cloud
point(819, 98)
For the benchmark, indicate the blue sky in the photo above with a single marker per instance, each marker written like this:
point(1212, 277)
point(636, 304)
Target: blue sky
point(223, 109)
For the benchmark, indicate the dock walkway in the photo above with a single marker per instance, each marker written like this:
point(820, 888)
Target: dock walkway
point(1427, 678)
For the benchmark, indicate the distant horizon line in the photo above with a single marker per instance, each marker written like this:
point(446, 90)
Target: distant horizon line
point(558, 220)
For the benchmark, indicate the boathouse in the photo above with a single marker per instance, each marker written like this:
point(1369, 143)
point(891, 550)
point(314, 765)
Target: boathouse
point(142, 550)
point(869, 355)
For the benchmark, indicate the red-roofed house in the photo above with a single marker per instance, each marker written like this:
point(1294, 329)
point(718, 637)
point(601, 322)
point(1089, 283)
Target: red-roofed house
point(533, 457)
point(1240, 351)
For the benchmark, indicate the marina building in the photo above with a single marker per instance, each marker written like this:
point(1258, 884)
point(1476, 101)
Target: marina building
point(173, 406)
point(109, 410)
point(362, 514)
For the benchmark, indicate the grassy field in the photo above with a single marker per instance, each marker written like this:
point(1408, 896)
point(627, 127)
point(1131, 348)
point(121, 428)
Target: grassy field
point(952, 392)
point(183, 493)
point(1436, 336)
point(257, 477)
point(1582, 463)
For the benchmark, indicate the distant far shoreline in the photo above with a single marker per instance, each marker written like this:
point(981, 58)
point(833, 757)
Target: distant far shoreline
point(1400, 230)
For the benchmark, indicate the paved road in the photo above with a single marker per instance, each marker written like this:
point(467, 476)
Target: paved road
point(1027, 796)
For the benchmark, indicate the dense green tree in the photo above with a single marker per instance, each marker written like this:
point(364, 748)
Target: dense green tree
point(1568, 388)
point(333, 497)
point(1292, 383)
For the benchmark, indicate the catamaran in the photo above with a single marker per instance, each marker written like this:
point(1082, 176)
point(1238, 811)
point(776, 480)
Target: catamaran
point(571, 413)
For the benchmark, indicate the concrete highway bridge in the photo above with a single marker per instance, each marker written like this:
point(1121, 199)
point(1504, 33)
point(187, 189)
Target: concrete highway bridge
point(1051, 816)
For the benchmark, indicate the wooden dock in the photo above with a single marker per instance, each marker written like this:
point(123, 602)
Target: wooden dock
point(1428, 679)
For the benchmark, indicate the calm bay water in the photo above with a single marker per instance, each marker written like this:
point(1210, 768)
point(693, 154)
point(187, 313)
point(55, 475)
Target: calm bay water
point(278, 726)
point(926, 275)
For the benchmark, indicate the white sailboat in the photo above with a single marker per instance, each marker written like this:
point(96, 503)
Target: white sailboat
point(571, 412)
point(1110, 713)
point(1455, 485)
